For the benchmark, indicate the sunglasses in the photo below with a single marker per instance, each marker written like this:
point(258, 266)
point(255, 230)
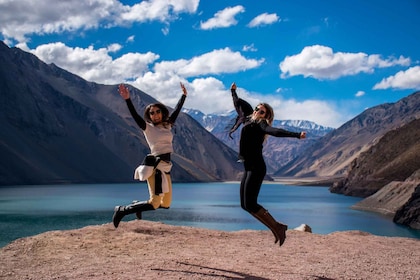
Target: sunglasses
point(155, 112)
point(261, 112)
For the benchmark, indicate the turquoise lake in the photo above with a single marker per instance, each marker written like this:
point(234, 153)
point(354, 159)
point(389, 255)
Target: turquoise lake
point(29, 210)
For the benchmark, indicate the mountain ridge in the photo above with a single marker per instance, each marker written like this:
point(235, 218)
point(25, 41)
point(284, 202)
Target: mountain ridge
point(334, 152)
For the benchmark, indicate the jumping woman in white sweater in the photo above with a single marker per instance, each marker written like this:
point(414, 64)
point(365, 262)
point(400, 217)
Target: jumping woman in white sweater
point(156, 125)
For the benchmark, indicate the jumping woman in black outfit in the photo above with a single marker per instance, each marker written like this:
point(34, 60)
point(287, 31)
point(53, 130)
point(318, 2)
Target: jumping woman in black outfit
point(257, 126)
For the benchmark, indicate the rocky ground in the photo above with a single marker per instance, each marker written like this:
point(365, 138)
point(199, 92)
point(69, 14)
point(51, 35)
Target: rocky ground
point(153, 250)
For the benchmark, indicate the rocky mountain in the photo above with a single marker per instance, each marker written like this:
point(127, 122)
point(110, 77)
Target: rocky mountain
point(388, 175)
point(59, 128)
point(398, 199)
point(333, 154)
point(395, 157)
point(277, 151)
point(409, 213)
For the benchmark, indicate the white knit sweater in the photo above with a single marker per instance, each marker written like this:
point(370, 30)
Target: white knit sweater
point(159, 138)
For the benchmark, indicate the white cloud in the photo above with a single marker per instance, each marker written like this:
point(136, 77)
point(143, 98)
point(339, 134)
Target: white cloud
point(263, 19)
point(114, 48)
point(318, 111)
point(218, 61)
point(320, 62)
point(205, 93)
point(409, 79)
point(157, 10)
point(249, 48)
point(359, 93)
point(25, 17)
point(223, 18)
point(96, 65)
point(131, 38)
point(161, 79)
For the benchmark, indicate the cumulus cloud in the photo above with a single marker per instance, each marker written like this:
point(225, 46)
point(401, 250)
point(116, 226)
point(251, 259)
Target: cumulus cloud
point(409, 79)
point(320, 62)
point(216, 62)
point(158, 78)
point(207, 94)
point(263, 19)
point(156, 10)
point(161, 79)
point(223, 18)
point(321, 112)
point(96, 65)
point(24, 17)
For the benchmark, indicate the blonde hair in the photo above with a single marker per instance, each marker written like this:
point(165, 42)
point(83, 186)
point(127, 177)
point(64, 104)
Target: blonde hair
point(269, 113)
point(268, 116)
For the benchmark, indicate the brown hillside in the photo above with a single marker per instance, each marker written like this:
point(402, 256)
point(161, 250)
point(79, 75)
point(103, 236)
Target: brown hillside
point(394, 158)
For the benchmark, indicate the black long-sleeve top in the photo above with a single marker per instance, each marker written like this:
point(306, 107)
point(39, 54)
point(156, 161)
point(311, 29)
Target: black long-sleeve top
point(253, 133)
point(252, 138)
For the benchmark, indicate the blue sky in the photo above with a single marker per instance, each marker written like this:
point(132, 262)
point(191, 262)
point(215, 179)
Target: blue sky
point(322, 60)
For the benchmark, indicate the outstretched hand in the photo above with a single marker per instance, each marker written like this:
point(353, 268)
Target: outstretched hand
point(124, 92)
point(302, 135)
point(233, 86)
point(184, 90)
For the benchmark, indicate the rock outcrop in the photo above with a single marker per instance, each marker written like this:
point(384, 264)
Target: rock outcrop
point(395, 157)
point(392, 197)
point(409, 213)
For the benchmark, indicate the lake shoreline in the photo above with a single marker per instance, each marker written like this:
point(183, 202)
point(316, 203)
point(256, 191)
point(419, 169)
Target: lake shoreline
point(308, 181)
point(300, 181)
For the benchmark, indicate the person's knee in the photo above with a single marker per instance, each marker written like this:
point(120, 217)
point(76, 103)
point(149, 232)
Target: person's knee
point(249, 207)
point(155, 203)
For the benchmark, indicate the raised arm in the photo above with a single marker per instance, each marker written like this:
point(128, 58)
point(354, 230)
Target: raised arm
point(242, 107)
point(235, 97)
point(125, 94)
point(178, 107)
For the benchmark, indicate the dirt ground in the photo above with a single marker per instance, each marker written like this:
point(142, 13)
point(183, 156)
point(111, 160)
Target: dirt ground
point(153, 250)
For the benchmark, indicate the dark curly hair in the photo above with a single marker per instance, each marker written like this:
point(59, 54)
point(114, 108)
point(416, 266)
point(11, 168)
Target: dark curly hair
point(163, 109)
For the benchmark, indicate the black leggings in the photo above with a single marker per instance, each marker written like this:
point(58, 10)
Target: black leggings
point(251, 185)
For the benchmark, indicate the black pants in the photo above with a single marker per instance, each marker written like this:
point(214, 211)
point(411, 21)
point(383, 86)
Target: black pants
point(251, 184)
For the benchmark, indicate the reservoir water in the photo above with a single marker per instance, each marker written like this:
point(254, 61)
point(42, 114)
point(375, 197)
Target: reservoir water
point(29, 210)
